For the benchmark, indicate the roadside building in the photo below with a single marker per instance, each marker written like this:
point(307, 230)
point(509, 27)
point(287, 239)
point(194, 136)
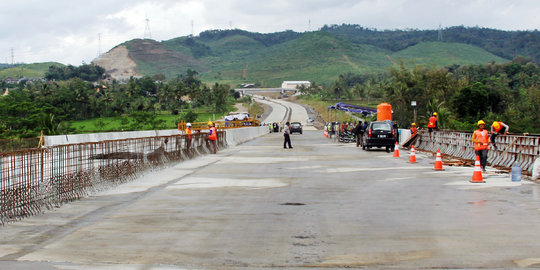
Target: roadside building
point(293, 85)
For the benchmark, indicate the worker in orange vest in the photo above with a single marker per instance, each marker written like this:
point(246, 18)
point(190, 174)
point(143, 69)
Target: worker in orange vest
point(498, 128)
point(414, 130)
point(480, 139)
point(212, 136)
point(188, 133)
point(432, 124)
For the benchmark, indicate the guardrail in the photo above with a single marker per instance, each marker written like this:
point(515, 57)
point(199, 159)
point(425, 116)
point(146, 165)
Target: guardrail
point(510, 148)
point(220, 125)
point(34, 179)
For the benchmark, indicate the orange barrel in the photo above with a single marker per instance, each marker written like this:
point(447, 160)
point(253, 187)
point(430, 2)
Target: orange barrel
point(384, 112)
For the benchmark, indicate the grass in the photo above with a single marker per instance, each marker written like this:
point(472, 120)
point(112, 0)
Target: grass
point(36, 70)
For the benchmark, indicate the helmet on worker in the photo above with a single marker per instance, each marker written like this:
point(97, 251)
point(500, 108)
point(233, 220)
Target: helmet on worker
point(481, 122)
point(188, 125)
point(210, 123)
point(496, 125)
point(413, 124)
point(435, 114)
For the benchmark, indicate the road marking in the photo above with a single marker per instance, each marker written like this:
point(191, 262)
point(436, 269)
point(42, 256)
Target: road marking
point(347, 169)
point(207, 182)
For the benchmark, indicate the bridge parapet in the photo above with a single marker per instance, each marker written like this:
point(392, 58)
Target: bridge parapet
point(510, 148)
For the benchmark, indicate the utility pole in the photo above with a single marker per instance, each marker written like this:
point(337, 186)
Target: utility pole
point(439, 36)
point(12, 56)
point(191, 28)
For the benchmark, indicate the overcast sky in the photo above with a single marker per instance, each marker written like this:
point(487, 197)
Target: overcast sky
point(68, 31)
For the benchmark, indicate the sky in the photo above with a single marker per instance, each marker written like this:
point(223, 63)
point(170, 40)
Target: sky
point(75, 32)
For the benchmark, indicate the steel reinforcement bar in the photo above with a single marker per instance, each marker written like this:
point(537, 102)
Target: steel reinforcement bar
point(510, 148)
point(32, 180)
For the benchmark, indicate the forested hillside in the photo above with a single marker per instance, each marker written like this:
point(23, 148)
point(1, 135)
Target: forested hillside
point(506, 44)
point(267, 59)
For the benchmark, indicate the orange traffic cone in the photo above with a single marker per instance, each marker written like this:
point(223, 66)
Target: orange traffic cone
point(396, 150)
point(477, 175)
point(438, 161)
point(325, 133)
point(412, 158)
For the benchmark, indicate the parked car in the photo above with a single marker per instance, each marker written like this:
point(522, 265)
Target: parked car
point(379, 134)
point(296, 127)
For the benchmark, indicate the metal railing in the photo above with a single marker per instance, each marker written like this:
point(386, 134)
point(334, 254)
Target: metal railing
point(510, 148)
point(220, 125)
point(34, 179)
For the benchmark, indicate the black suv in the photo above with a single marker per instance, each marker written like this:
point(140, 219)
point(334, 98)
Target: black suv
point(296, 127)
point(379, 134)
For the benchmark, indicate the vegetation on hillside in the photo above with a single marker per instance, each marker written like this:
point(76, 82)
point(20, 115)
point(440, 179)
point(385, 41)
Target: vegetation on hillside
point(268, 59)
point(505, 44)
point(36, 70)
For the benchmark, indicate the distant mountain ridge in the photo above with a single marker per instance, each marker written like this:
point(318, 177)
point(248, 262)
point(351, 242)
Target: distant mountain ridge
point(321, 56)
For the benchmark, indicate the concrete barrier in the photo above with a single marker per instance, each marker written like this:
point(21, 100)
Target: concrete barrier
point(108, 136)
point(241, 135)
point(234, 136)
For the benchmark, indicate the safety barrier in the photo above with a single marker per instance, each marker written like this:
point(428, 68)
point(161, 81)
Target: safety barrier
point(221, 124)
point(510, 148)
point(34, 179)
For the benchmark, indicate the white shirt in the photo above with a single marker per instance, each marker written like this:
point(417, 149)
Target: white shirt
point(286, 130)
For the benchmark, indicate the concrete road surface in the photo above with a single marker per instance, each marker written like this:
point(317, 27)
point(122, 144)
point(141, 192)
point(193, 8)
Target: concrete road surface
point(279, 108)
point(319, 205)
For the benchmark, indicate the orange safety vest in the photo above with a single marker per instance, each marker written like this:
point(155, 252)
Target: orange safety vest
point(213, 135)
point(483, 139)
point(188, 132)
point(413, 130)
point(432, 122)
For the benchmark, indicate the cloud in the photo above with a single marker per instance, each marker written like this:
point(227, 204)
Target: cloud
point(67, 31)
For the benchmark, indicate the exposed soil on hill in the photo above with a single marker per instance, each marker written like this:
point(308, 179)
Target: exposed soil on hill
point(117, 63)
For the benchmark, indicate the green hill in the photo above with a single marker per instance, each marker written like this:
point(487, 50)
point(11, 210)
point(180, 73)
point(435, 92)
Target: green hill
point(446, 54)
point(315, 56)
point(35, 70)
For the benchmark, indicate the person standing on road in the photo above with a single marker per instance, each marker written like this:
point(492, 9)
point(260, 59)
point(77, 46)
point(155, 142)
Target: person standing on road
point(480, 139)
point(286, 135)
point(498, 128)
point(212, 136)
point(432, 124)
point(358, 132)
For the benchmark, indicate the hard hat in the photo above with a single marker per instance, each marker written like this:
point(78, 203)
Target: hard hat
point(496, 125)
point(435, 113)
point(210, 123)
point(188, 125)
point(413, 124)
point(481, 122)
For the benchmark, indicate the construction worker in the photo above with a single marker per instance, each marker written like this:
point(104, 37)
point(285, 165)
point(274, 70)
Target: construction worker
point(432, 124)
point(498, 128)
point(212, 135)
point(480, 139)
point(188, 133)
point(414, 130)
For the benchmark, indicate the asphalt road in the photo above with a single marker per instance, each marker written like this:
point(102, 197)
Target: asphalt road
point(321, 204)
